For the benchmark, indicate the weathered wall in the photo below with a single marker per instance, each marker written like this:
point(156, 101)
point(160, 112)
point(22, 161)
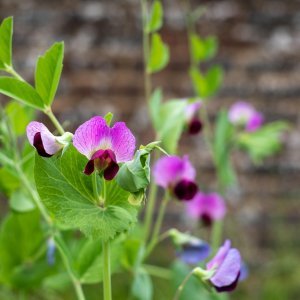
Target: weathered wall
point(260, 51)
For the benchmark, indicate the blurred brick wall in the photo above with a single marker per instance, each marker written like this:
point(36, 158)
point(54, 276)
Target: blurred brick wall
point(260, 52)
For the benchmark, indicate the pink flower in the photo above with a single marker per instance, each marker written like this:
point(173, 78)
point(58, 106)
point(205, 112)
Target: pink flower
point(244, 114)
point(226, 267)
point(208, 207)
point(105, 147)
point(176, 174)
point(194, 124)
point(42, 139)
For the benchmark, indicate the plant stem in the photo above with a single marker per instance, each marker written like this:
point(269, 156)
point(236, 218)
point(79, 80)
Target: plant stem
point(76, 283)
point(158, 223)
point(158, 271)
point(54, 120)
point(12, 71)
point(181, 287)
point(106, 271)
point(146, 51)
point(95, 186)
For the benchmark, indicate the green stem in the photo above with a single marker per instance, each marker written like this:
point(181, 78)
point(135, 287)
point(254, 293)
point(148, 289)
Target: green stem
point(159, 220)
point(158, 271)
point(216, 235)
point(146, 51)
point(181, 287)
point(12, 71)
point(76, 283)
point(95, 186)
point(106, 271)
point(54, 120)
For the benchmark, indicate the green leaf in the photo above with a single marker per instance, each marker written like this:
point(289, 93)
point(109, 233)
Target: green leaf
point(222, 149)
point(6, 32)
point(206, 85)
point(108, 118)
point(134, 175)
point(18, 244)
point(203, 49)
point(9, 181)
point(21, 91)
point(159, 54)
point(19, 117)
point(48, 72)
point(142, 288)
point(21, 202)
point(172, 119)
point(89, 260)
point(156, 17)
point(155, 102)
point(67, 193)
point(263, 142)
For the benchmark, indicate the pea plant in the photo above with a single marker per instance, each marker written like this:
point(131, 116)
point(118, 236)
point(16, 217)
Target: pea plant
point(81, 206)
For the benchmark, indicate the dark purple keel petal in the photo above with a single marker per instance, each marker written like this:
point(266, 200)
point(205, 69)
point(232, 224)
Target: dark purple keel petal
point(185, 190)
point(206, 220)
point(111, 171)
point(230, 287)
point(89, 168)
point(38, 144)
point(195, 126)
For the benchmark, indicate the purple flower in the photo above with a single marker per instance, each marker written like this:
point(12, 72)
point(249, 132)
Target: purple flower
point(226, 267)
point(42, 139)
point(105, 147)
point(194, 124)
point(207, 207)
point(176, 174)
point(244, 114)
point(194, 251)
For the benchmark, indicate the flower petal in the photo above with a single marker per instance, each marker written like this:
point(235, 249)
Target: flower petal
point(40, 137)
point(92, 136)
point(218, 259)
point(122, 142)
point(195, 252)
point(255, 122)
point(240, 112)
point(185, 189)
point(228, 272)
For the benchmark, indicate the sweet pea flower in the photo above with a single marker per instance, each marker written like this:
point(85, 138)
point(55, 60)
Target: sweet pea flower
point(208, 207)
point(190, 249)
point(194, 124)
point(105, 147)
point(51, 251)
point(244, 114)
point(43, 140)
point(225, 267)
point(176, 174)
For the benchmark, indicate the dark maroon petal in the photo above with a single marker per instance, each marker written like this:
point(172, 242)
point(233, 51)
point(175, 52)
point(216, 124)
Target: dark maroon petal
point(206, 220)
point(38, 144)
point(89, 168)
point(195, 126)
point(111, 171)
point(185, 190)
point(229, 288)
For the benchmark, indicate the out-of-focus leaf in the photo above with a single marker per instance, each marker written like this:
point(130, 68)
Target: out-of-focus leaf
point(156, 17)
point(18, 244)
point(108, 118)
point(155, 102)
point(142, 288)
point(206, 85)
point(19, 117)
point(21, 91)
point(48, 72)
point(203, 49)
point(6, 32)
point(222, 147)
point(263, 142)
point(172, 119)
point(9, 181)
point(159, 54)
point(21, 202)
point(89, 260)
